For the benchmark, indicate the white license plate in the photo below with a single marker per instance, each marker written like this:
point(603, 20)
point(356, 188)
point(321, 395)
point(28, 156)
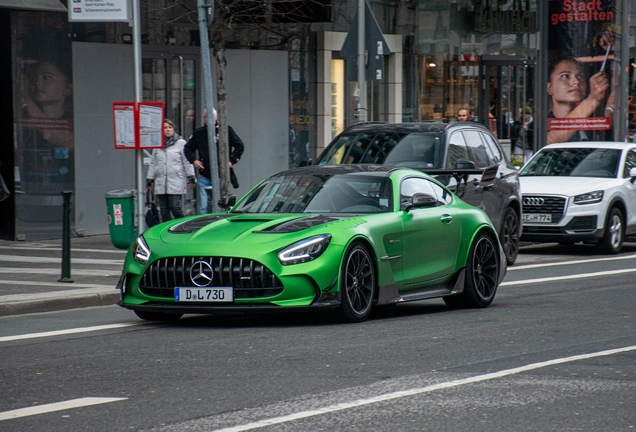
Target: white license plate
point(540, 218)
point(218, 294)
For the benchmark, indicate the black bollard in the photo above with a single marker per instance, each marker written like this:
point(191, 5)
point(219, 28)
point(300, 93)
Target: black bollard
point(208, 189)
point(66, 239)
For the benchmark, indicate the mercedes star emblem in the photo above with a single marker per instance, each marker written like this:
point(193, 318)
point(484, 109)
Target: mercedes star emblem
point(201, 273)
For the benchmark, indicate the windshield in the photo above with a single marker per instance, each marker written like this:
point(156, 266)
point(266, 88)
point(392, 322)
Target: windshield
point(574, 162)
point(413, 150)
point(302, 193)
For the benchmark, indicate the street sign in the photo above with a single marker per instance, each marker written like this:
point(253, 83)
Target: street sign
point(99, 11)
point(138, 125)
point(374, 44)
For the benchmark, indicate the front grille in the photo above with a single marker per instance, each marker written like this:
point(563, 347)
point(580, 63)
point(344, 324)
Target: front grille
point(551, 205)
point(541, 230)
point(250, 279)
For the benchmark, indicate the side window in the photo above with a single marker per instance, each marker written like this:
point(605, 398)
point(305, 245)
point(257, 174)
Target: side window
point(456, 149)
point(630, 162)
point(477, 149)
point(492, 148)
point(410, 187)
point(443, 195)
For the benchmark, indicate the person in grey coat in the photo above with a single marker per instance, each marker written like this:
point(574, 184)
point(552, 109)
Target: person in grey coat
point(171, 173)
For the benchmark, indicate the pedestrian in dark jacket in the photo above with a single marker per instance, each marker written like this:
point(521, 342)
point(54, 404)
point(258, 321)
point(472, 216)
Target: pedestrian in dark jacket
point(198, 143)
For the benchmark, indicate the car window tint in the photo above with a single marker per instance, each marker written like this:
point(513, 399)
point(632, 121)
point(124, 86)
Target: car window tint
point(410, 187)
point(575, 162)
point(417, 150)
point(492, 148)
point(477, 149)
point(456, 149)
point(630, 162)
point(443, 195)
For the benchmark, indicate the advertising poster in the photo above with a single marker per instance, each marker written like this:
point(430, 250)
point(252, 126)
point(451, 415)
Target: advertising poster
point(43, 97)
point(582, 42)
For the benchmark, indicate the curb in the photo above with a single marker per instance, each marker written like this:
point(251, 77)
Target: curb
point(58, 303)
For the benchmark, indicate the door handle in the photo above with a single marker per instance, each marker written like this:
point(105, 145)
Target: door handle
point(446, 219)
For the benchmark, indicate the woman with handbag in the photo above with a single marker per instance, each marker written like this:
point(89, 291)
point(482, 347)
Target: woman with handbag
point(171, 173)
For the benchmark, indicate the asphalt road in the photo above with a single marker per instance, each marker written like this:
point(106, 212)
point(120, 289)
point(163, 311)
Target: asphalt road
point(555, 351)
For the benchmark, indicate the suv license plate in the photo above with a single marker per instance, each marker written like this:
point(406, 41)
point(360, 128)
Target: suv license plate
point(222, 294)
point(540, 218)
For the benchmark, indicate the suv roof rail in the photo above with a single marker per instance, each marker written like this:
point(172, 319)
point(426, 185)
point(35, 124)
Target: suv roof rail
point(363, 123)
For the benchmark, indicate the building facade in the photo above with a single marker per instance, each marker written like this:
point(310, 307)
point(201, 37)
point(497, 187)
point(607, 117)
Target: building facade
point(290, 87)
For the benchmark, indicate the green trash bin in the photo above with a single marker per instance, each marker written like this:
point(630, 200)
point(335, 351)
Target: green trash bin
point(122, 223)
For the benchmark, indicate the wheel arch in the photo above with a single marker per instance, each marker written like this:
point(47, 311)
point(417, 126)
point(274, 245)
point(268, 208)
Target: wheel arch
point(619, 204)
point(369, 246)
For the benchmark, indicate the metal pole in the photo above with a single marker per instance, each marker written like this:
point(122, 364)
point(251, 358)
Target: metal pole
point(66, 238)
point(139, 154)
point(362, 84)
point(209, 99)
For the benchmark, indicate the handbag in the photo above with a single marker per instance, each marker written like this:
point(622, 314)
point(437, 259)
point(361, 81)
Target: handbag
point(233, 179)
point(4, 190)
point(152, 215)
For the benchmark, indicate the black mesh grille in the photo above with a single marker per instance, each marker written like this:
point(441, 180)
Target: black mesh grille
point(250, 279)
point(582, 223)
point(551, 205)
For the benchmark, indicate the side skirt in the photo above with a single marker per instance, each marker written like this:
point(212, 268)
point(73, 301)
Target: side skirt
point(389, 294)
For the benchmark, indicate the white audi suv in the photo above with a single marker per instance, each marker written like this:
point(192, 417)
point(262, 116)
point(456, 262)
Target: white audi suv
point(581, 191)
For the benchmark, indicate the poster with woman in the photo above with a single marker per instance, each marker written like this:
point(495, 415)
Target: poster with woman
point(580, 87)
point(43, 94)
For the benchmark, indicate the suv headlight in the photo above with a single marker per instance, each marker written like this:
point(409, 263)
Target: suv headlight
point(141, 252)
point(589, 198)
point(305, 250)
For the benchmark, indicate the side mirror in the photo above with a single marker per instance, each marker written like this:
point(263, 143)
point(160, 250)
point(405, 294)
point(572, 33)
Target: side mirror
point(632, 174)
point(227, 201)
point(305, 163)
point(421, 200)
point(490, 173)
point(463, 164)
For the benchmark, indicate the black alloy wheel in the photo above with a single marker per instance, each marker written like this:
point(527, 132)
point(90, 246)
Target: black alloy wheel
point(510, 235)
point(482, 275)
point(357, 284)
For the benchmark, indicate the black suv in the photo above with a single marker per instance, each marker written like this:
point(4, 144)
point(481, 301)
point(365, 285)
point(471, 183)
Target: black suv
point(464, 156)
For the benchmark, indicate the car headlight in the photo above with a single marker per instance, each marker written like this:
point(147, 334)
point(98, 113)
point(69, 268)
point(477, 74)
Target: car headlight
point(589, 198)
point(141, 252)
point(305, 250)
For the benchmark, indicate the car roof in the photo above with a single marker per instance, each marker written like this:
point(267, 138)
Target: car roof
point(368, 169)
point(591, 144)
point(433, 126)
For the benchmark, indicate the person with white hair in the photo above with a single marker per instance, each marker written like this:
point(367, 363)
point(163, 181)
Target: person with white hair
point(196, 151)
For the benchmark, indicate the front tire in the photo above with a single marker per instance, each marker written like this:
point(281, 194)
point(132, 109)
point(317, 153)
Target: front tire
point(157, 316)
point(482, 275)
point(510, 235)
point(612, 241)
point(357, 284)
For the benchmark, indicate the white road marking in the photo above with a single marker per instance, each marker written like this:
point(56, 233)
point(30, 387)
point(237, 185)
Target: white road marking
point(67, 331)
point(569, 277)
point(552, 264)
point(58, 406)
point(416, 391)
point(122, 252)
point(46, 260)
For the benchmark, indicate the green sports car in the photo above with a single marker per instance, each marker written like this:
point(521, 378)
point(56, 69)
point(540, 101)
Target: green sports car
point(345, 237)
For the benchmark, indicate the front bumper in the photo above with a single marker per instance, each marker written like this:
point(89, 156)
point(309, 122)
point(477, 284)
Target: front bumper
point(580, 228)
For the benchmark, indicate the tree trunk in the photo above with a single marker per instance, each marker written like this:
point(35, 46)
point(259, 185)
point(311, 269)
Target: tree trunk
point(223, 140)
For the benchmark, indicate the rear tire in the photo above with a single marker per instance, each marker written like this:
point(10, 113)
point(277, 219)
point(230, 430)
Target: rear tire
point(357, 284)
point(612, 241)
point(157, 316)
point(510, 235)
point(482, 275)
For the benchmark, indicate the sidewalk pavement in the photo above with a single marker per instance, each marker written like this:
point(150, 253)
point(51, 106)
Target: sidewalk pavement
point(30, 273)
